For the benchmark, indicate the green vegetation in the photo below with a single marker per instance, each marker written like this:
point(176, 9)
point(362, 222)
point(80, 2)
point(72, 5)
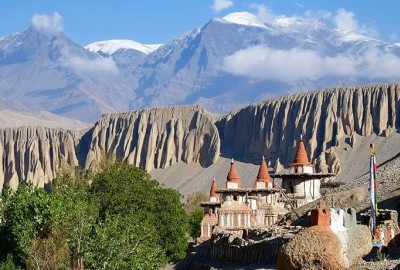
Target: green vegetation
point(195, 212)
point(123, 219)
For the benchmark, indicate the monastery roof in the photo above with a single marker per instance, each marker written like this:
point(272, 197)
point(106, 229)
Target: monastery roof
point(263, 175)
point(301, 157)
point(233, 175)
point(213, 190)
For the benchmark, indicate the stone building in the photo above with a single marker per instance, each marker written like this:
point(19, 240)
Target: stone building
point(302, 184)
point(238, 209)
point(210, 218)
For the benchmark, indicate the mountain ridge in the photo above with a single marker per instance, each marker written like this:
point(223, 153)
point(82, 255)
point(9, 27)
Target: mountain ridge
point(220, 65)
point(184, 147)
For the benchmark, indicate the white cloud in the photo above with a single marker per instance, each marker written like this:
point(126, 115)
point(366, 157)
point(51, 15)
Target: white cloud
point(52, 23)
point(220, 5)
point(264, 13)
point(85, 65)
point(346, 20)
point(82, 64)
point(290, 66)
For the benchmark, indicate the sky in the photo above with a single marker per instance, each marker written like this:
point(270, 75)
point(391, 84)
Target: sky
point(150, 21)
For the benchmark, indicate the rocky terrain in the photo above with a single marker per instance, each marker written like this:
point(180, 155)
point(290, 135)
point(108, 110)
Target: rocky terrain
point(156, 138)
point(35, 154)
point(184, 147)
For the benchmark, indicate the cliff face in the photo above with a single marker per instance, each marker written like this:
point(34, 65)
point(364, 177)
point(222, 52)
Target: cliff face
point(334, 123)
point(156, 138)
point(324, 118)
point(34, 154)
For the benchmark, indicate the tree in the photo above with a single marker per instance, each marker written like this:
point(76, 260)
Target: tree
point(122, 242)
point(122, 189)
point(195, 212)
point(31, 219)
point(123, 220)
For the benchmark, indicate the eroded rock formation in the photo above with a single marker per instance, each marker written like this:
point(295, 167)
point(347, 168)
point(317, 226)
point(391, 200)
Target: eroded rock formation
point(156, 138)
point(323, 118)
point(34, 154)
point(162, 137)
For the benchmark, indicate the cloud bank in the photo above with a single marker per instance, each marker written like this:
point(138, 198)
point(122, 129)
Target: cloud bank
point(48, 23)
point(290, 66)
point(82, 64)
point(346, 20)
point(220, 5)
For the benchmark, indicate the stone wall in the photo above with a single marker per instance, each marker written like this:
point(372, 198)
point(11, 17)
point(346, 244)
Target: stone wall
point(259, 247)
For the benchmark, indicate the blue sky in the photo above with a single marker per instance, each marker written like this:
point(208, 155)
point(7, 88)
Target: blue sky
point(151, 21)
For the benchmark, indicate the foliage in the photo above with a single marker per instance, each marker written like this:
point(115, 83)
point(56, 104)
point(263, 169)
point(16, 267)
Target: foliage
point(195, 219)
point(195, 212)
point(126, 190)
point(193, 201)
point(8, 264)
point(118, 218)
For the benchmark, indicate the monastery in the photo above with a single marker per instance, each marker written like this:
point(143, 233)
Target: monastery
point(236, 209)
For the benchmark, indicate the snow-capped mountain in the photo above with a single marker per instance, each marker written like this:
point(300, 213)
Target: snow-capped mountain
point(109, 47)
point(226, 63)
point(125, 53)
point(46, 71)
point(240, 59)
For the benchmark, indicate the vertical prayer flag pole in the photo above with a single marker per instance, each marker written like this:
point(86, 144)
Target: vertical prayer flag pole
point(373, 190)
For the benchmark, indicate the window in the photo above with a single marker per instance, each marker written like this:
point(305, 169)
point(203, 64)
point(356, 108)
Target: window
point(247, 220)
point(239, 220)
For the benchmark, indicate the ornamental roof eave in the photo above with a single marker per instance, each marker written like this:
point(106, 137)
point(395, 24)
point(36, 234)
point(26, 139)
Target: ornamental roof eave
point(210, 203)
point(248, 190)
point(301, 175)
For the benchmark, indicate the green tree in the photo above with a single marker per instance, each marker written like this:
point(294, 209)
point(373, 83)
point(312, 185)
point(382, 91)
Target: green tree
point(121, 242)
point(193, 201)
point(122, 189)
point(195, 212)
point(122, 220)
point(30, 216)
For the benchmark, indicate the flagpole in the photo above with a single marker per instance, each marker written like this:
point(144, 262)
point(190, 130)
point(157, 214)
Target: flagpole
point(373, 190)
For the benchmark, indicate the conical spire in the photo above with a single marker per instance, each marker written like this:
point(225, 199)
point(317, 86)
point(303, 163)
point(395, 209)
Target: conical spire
point(233, 175)
point(301, 154)
point(263, 175)
point(213, 190)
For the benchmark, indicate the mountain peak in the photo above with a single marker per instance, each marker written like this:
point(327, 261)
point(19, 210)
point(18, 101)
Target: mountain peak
point(244, 18)
point(111, 46)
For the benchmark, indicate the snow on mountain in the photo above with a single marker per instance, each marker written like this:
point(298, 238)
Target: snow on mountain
point(111, 46)
point(240, 59)
point(244, 18)
point(226, 63)
point(42, 71)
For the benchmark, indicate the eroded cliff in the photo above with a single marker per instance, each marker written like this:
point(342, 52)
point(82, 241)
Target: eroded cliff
point(156, 138)
point(34, 154)
point(324, 118)
point(335, 123)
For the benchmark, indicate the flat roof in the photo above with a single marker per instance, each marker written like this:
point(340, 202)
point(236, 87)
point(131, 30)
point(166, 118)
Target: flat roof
point(210, 203)
point(301, 175)
point(247, 190)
